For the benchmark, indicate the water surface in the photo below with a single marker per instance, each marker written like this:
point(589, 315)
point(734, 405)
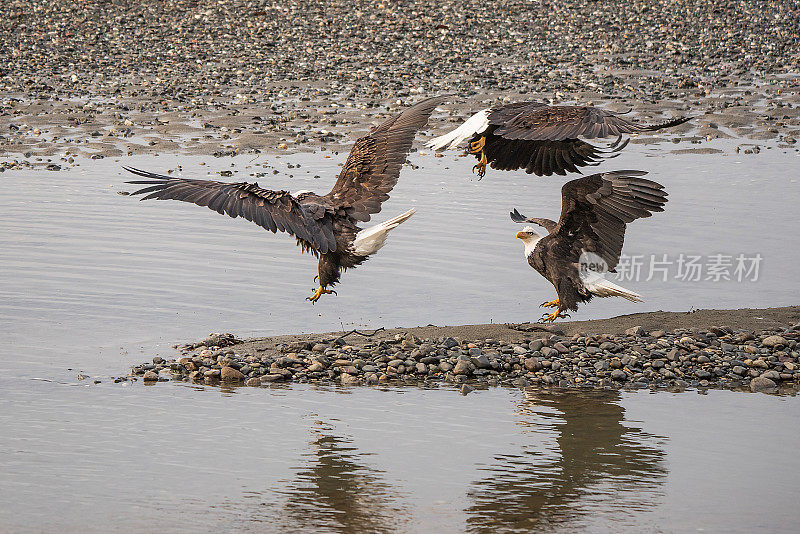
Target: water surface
point(93, 282)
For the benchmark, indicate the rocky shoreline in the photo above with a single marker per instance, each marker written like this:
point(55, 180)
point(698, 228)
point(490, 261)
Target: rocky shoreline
point(572, 355)
point(85, 81)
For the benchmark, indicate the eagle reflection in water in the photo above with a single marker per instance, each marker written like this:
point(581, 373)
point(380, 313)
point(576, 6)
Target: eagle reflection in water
point(598, 464)
point(334, 491)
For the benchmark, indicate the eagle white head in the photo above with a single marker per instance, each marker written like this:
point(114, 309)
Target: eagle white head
point(529, 238)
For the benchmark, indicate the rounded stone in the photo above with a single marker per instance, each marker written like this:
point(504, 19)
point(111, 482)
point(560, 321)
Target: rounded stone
point(761, 384)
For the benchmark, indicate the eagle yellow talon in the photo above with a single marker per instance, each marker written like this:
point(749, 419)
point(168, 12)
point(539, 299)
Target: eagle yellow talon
point(476, 147)
point(549, 304)
point(550, 317)
point(319, 292)
point(481, 166)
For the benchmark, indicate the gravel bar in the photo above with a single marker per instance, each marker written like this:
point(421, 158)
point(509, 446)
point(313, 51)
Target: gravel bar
point(766, 360)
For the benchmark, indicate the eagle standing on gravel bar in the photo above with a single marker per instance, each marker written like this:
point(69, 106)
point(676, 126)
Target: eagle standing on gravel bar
point(587, 240)
point(542, 139)
point(325, 225)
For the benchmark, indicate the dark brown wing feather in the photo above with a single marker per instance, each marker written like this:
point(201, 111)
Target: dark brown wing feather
point(505, 114)
point(373, 166)
point(596, 208)
point(544, 158)
point(273, 210)
point(547, 224)
point(533, 121)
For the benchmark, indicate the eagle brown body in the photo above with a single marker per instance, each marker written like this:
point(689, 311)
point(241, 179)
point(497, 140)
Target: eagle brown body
point(594, 213)
point(324, 225)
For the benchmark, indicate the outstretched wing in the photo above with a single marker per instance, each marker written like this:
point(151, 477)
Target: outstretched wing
point(596, 208)
point(547, 224)
point(273, 210)
point(532, 121)
point(373, 166)
point(544, 158)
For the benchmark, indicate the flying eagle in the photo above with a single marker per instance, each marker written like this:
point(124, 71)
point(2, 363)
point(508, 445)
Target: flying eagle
point(326, 226)
point(587, 239)
point(542, 139)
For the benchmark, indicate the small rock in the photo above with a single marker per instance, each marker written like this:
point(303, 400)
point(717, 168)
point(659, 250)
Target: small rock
point(520, 383)
point(449, 343)
point(229, 374)
point(773, 341)
point(619, 374)
point(763, 385)
point(772, 375)
point(635, 331)
point(349, 380)
point(462, 368)
point(150, 376)
point(549, 352)
point(466, 389)
point(533, 364)
point(253, 382)
point(271, 378)
point(481, 362)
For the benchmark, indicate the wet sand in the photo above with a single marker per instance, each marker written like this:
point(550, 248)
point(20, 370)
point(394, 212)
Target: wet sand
point(229, 78)
point(746, 319)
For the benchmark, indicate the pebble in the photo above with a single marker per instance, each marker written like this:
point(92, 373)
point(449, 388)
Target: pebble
point(773, 341)
point(230, 374)
point(462, 368)
point(762, 384)
point(150, 376)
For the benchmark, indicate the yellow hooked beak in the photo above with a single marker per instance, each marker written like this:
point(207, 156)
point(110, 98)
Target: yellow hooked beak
point(522, 235)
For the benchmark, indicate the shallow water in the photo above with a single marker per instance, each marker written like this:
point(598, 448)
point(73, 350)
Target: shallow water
point(300, 458)
point(92, 281)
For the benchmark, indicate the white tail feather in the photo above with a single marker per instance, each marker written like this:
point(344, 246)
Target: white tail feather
point(599, 286)
point(370, 240)
point(475, 124)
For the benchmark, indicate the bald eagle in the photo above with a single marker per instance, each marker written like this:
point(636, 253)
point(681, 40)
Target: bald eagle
point(542, 139)
point(324, 225)
point(587, 239)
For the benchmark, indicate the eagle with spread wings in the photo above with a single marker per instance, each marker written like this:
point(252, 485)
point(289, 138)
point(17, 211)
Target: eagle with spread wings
point(543, 140)
point(586, 242)
point(324, 225)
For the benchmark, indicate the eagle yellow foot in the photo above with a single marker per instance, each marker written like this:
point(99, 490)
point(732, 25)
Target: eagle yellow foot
point(550, 317)
point(476, 148)
point(550, 304)
point(319, 292)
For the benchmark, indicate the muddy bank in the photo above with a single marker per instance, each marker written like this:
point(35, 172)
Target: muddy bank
point(754, 349)
point(84, 80)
